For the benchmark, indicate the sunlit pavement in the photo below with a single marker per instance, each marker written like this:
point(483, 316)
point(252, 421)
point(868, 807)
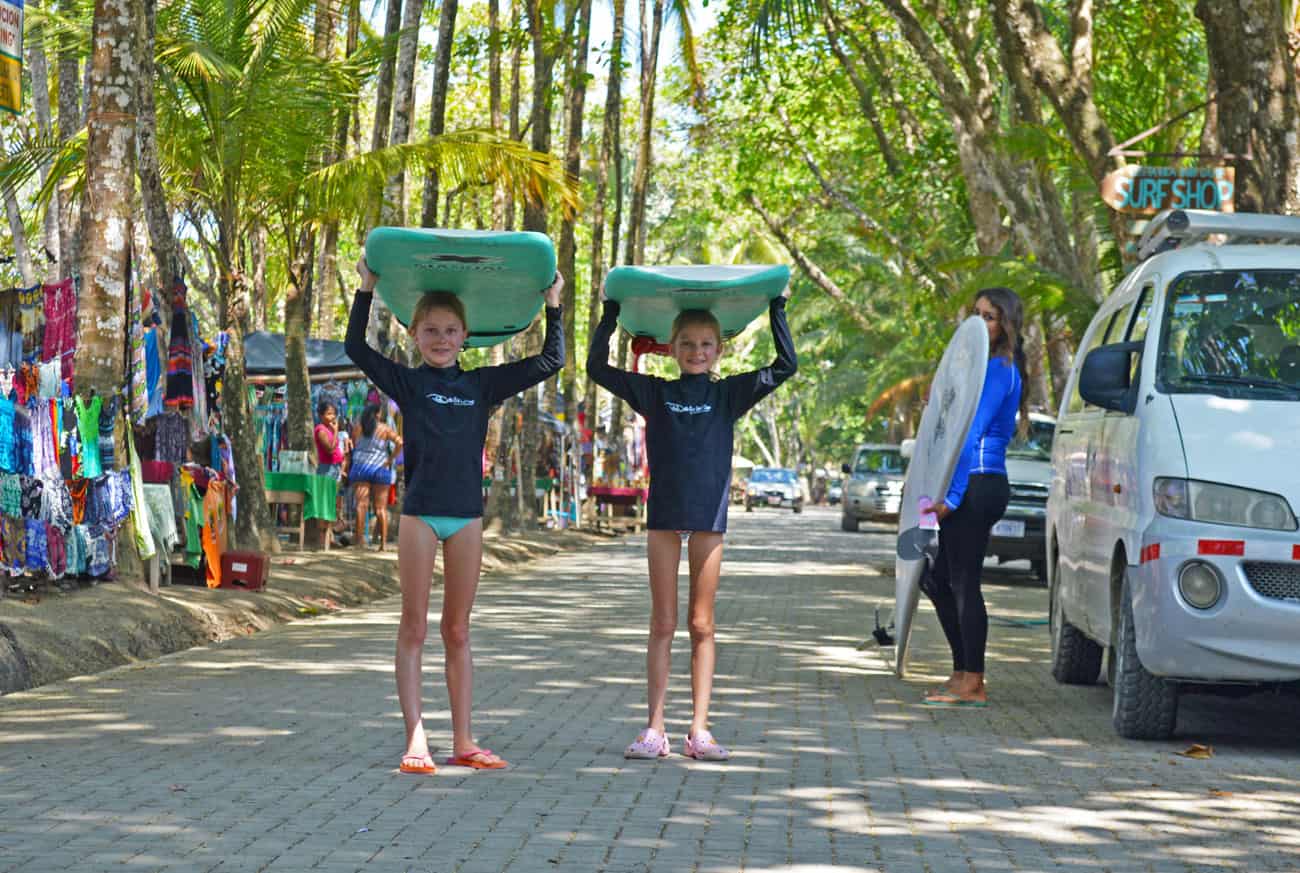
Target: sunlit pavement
point(279, 751)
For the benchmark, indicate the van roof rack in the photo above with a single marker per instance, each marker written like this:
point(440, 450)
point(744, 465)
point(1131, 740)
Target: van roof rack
point(1178, 227)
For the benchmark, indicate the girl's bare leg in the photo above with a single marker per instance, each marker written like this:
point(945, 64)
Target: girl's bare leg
point(705, 555)
point(664, 549)
point(418, 550)
point(462, 556)
point(379, 505)
point(362, 493)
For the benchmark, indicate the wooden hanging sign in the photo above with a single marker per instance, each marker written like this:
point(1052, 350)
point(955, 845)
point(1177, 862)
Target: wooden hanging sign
point(1138, 190)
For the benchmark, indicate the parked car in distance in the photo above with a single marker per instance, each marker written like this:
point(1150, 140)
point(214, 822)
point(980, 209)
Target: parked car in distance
point(774, 486)
point(1171, 524)
point(873, 489)
point(835, 492)
point(1021, 533)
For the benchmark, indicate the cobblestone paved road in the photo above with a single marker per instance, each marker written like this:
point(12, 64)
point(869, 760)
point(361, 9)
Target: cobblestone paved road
point(277, 752)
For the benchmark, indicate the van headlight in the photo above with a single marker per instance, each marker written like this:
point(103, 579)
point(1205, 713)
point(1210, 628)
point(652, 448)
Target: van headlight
point(1222, 504)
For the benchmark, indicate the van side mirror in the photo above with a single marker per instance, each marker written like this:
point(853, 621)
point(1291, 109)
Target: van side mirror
point(907, 448)
point(1104, 380)
point(845, 468)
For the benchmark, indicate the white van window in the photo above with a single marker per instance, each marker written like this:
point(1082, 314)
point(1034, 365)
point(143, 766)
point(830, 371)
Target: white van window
point(1234, 333)
point(1138, 332)
point(1098, 338)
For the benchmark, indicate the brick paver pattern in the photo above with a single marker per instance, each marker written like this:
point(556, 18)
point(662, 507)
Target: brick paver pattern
point(278, 752)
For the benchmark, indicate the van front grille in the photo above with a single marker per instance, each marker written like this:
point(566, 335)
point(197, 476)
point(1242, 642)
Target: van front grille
point(1274, 580)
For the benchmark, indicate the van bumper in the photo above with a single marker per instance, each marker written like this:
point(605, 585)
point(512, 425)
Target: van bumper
point(1249, 634)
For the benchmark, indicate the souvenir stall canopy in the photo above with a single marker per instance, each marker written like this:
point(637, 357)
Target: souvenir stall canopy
point(264, 357)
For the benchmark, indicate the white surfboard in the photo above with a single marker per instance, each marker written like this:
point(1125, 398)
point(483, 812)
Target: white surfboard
point(945, 422)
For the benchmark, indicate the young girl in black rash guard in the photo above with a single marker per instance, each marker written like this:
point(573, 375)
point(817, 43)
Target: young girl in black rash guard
point(689, 431)
point(445, 413)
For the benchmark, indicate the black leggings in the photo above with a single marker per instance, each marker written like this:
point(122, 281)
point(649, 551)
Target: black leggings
point(963, 538)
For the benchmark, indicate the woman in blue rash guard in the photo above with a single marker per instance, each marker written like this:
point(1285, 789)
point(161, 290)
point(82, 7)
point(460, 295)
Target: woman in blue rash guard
point(690, 424)
point(976, 500)
point(445, 413)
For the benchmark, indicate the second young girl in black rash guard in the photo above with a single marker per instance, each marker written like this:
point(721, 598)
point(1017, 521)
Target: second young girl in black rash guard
point(690, 425)
point(445, 414)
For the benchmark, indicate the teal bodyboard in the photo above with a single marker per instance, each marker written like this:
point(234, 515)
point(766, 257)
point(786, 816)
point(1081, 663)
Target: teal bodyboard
point(499, 275)
point(651, 297)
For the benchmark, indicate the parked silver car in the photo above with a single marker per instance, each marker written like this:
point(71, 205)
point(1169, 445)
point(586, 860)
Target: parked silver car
point(1021, 534)
point(873, 487)
point(773, 486)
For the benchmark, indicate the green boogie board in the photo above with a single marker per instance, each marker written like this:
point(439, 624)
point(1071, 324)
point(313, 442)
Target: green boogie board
point(499, 275)
point(651, 297)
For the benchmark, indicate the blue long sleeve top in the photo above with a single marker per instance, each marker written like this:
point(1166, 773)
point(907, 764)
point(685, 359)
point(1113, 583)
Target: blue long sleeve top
point(690, 424)
point(985, 450)
point(445, 413)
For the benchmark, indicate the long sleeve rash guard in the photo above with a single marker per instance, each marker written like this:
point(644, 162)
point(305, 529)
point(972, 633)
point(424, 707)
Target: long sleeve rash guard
point(690, 424)
point(985, 449)
point(445, 414)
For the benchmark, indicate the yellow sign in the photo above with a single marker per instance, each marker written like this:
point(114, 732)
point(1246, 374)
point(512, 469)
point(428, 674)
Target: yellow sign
point(11, 55)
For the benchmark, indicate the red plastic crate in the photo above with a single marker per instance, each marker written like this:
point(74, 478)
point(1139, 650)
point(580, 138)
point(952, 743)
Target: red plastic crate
point(246, 570)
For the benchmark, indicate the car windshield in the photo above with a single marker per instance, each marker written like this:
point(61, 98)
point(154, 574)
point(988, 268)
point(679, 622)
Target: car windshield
point(877, 461)
point(1037, 444)
point(764, 475)
point(1234, 333)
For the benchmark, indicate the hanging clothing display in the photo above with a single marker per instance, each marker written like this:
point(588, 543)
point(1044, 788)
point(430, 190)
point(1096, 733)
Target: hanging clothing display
point(180, 363)
point(31, 321)
point(198, 380)
point(172, 438)
point(107, 415)
point(88, 430)
point(11, 335)
point(152, 374)
point(59, 302)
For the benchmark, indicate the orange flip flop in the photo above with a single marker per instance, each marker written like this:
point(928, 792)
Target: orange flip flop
point(423, 765)
point(474, 758)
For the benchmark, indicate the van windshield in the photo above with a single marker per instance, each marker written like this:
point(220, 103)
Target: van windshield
point(1234, 333)
point(878, 461)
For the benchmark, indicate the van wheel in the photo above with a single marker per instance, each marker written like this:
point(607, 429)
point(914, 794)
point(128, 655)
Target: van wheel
point(1039, 569)
point(749, 507)
point(1076, 660)
point(1144, 707)
point(798, 507)
point(848, 522)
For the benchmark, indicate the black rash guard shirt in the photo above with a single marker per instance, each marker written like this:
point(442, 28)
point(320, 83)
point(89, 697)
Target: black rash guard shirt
point(445, 413)
point(690, 424)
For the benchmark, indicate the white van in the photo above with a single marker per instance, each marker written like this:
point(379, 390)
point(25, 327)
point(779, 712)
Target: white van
point(1171, 529)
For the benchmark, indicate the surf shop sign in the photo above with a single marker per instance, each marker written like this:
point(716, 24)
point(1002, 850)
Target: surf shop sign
point(1136, 190)
point(11, 55)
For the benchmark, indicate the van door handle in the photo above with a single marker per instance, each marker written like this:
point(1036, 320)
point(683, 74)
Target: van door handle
point(1065, 430)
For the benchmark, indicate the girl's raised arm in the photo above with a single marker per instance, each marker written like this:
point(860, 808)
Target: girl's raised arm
point(749, 388)
point(634, 388)
point(386, 374)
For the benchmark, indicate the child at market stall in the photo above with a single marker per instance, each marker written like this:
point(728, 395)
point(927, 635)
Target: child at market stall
point(689, 433)
point(445, 414)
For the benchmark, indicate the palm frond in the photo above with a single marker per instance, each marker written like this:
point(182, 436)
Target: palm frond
point(462, 157)
point(680, 11)
point(773, 19)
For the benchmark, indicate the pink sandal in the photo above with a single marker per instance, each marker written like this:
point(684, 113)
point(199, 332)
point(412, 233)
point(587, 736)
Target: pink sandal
point(703, 747)
point(650, 744)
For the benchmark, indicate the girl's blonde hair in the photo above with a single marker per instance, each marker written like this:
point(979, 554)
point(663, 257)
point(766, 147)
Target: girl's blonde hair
point(439, 300)
point(695, 318)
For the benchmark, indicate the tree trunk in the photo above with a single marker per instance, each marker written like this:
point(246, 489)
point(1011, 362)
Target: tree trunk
point(394, 209)
point(494, 103)
point(438, 103)
point(608, 138)
point(158, 214)
point(257, 244)
point(39, 70)
point(568, 241)
point(539, 118)
point(384, 87)
point(70, 122)
point(1246, 41)
point(103, 306)
point(645, 131)
point(18, 231)
point(516, 88)
point(253, 523)
point(298, 412)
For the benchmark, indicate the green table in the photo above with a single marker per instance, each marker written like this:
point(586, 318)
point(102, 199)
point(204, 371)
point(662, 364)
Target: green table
point(319, 492)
